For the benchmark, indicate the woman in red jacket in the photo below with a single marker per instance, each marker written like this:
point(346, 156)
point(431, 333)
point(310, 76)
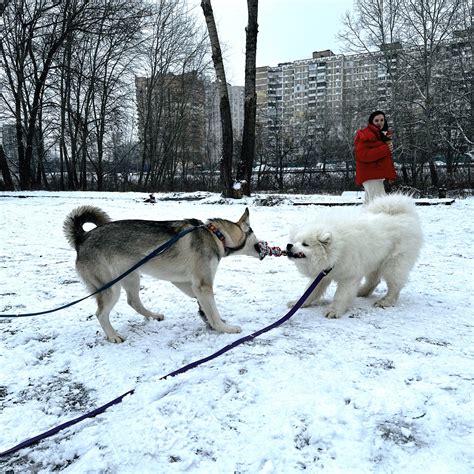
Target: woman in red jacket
point(373, 154)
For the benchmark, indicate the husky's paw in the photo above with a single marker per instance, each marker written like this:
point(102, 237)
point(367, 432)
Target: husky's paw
point(156, 316)
point(332, 313)
point(384, 303)
point(230, 329)
point(116, 338)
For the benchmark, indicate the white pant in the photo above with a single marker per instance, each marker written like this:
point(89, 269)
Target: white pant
point(373, 188)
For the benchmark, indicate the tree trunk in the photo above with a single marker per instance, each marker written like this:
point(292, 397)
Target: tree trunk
point(24, 160)
point(433, 173)
point(224, 105)
point(7, 177)
point(244, 172)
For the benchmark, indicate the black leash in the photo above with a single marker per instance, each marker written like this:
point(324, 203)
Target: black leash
point(151, 255)
point(29, 442)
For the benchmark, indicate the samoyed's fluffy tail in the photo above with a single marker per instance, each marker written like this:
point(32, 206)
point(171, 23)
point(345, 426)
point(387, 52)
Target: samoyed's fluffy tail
point(392, 204)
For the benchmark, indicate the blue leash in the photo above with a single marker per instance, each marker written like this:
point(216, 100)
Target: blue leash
point(155, 253)
point(192, 365)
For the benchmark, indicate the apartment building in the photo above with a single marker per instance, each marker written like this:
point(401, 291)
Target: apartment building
point(173, 108)
point(214, 136)
point(310, 90)
point(236, 100)
point(327, 85)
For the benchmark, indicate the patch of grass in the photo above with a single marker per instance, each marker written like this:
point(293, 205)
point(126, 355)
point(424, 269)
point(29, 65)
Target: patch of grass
point(398, 432)
point(433, 341)
point(59, 391)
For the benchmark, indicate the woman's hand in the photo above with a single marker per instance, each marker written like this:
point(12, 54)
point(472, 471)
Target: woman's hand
point(390, 146)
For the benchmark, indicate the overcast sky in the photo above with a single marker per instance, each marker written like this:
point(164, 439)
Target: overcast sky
point(288, 30)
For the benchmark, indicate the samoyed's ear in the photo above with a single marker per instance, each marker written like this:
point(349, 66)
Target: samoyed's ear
point(325, 239)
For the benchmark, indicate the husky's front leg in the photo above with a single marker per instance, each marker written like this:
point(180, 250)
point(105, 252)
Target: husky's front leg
point(187, 289)
point(205, 295)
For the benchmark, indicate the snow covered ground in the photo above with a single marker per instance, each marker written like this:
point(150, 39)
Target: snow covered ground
point(376, 391)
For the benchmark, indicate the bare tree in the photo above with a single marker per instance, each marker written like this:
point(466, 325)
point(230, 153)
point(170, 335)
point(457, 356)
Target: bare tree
point(96, 74)
point(7, 177)
point(118, 33)
point(170, 96)
point(431, 24)
point(224, 105)
point(32, 34)
point(245, 168)
point(4, 167)
point(280, 146)
point(374, 26)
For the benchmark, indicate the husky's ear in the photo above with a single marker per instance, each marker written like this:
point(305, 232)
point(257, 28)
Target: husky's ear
point(244, 220)
point(325, 239)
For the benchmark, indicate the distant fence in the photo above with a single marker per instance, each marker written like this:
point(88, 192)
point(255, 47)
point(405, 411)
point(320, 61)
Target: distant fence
point(332, 179)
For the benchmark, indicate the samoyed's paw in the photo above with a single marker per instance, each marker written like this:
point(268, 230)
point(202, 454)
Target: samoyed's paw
point(332, 313)
point(384, 303)
point(306, 304)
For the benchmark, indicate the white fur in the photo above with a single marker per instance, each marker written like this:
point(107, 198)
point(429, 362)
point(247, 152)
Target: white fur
point(378, 242)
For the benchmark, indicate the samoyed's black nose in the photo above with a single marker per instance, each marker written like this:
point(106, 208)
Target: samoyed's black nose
point(289, 247)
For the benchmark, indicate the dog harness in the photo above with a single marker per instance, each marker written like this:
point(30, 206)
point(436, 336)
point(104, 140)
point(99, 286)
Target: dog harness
point(228, 250)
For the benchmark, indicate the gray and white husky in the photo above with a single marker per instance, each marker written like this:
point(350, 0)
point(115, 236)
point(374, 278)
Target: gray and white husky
point(112, 247)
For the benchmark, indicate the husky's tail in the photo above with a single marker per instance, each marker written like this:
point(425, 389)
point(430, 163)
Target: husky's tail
point(73, 226)
point(392, 204)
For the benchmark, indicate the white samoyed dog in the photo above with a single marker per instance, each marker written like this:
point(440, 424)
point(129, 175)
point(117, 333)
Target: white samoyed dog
point(381, 241)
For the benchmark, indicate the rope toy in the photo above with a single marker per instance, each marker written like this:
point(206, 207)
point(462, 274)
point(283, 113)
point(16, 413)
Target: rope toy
point(265, 249)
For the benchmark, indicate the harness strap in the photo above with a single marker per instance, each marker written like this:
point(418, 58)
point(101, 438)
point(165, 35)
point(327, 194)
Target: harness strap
point(227, 250)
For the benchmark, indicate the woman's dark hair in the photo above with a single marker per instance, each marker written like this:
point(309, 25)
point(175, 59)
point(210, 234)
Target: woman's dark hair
point(385, 125)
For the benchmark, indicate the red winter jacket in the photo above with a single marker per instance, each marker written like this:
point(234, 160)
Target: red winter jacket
point(373, 156)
